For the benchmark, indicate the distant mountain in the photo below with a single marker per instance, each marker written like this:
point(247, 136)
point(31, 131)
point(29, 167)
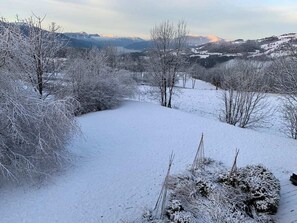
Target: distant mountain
point(265, 48)
point(200, 40)
point(134, 43)
point(81, 35)
point(98, 40)
point(193, 41)
point(142, 45)
point(200, 47)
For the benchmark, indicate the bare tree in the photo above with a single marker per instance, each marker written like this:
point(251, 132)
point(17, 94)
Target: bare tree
point(36, 52)
point(284, 72)
point(244, 100)
point(166, 57)
point(33, 132)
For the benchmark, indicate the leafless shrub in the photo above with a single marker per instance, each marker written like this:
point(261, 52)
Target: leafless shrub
point(244, 100)
point(284, 71)
point(95, 85)
point(289, 115)
point(33, 131)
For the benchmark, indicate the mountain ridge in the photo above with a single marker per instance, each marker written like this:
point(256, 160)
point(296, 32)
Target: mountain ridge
point(135, 43)
point(268, 47)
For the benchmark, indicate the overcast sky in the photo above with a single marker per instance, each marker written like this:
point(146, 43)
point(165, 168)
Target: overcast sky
point(229, 19)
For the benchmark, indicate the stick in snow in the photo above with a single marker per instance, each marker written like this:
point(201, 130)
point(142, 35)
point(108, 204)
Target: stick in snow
point(161, 202)
point(199, 157)
point(234, 166)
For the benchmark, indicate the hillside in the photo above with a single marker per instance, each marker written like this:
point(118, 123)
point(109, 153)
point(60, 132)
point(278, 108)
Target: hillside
point(265, 48)
point(122, 158)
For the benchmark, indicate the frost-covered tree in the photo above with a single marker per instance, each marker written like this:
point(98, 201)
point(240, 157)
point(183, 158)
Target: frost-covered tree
point(166, 58)
point(35, 51)
point(34, 131)
point(95, 85)
point(244, 101)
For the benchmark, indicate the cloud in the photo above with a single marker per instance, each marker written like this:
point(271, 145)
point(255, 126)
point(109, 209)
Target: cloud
point(71, 1)
point(229, 19)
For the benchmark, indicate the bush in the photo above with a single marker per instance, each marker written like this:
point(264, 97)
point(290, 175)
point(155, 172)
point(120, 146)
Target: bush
point(244, 101)
point(33, 131)
point(208, 195)
point(94, 85)
point(261, 187)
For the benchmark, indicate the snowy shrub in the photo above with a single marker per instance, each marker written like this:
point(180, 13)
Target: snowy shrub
point(96, 86)
point(33, 131)
point(34, 128)
point(176, 214)
point(289, 115)
point(261, 187)
point(208, 195)
point(284, 72)
point(244, 101)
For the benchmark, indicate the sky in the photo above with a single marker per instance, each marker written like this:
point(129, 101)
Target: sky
point(228, 19)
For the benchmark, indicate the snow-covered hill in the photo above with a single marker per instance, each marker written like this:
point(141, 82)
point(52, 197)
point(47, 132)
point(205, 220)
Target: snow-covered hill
point(122, 159)
point(265, 48)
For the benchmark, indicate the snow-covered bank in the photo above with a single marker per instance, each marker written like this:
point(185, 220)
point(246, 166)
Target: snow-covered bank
point(124, 156)
point(205, 101)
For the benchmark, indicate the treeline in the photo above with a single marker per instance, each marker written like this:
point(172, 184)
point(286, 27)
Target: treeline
point(229, 47)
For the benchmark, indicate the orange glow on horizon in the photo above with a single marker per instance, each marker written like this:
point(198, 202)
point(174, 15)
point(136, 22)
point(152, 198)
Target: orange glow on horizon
point(108, 35)
point(213, 38)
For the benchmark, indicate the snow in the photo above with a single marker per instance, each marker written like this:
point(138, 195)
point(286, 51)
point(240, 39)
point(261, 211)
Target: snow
point(122, 158)
point(272, 49)
point(205, 101)
point(276, 48)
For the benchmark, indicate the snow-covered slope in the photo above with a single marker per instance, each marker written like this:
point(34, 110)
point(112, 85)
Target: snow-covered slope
point(122, 160)
point(270, 47)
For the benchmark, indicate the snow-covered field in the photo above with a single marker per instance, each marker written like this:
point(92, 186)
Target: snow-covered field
point(123, 156)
